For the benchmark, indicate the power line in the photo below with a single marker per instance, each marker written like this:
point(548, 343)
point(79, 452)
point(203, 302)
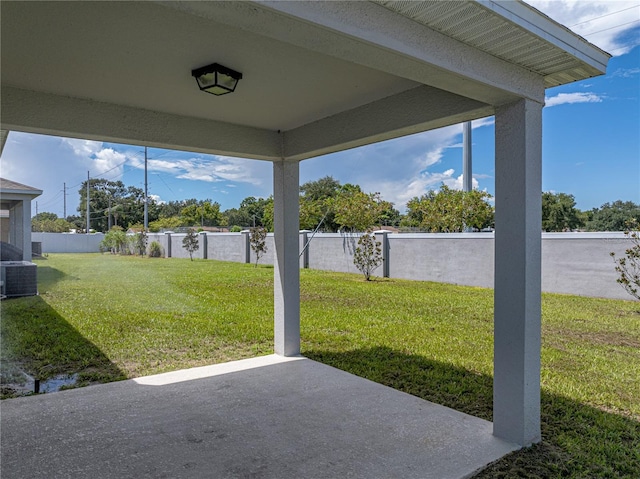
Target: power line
point(603, 16)
point(610, 28)
point(630, 47)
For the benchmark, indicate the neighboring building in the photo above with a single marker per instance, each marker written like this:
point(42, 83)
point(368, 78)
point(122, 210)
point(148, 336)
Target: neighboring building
point(15, 216)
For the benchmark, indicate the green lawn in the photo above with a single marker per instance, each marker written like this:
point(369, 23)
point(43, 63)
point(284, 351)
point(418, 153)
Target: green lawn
point(109, 317)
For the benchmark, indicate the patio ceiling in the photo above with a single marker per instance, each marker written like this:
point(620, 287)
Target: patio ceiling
point(318, 76)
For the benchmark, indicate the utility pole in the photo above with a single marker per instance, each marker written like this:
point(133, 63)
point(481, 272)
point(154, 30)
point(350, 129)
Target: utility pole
point(146, 196)
point(64, 190)
point(36, 208)
point(88, 224)
point(109, 214)
point(467, 178)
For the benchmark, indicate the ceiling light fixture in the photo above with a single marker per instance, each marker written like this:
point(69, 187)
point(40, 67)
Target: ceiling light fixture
point(216, 79)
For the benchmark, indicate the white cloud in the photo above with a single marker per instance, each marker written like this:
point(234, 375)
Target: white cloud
point(488, 121)
point(96, 158)
point(82, 148)
point(399, 169)
point(578, 97)
point(108, 160)
point(605, 23)
point(626, 72)
point(404, 191)
point(209, 168)
point(157, 199)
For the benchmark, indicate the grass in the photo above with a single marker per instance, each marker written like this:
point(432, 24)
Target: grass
point(108, 318)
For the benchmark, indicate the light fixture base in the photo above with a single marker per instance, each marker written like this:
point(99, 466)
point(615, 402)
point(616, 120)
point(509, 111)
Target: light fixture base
point(216, 79)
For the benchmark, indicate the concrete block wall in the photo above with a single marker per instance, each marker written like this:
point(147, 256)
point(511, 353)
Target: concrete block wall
point(582, 264)
point(68, 243)
point(268, 257)
point(572, 263)
point(333, 252)
point(465, 259)
point(226, 247)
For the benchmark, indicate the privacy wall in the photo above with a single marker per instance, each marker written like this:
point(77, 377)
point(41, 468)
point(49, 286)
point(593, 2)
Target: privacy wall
point(572, 263)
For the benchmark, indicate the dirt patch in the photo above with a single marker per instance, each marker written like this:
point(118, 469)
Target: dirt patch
point(607, 338)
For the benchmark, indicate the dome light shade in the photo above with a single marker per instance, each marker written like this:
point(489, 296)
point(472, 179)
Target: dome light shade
point(216, 79)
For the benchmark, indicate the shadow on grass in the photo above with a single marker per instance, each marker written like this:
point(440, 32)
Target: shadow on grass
point(578, 440)
point(49, 276)
point(43, 344)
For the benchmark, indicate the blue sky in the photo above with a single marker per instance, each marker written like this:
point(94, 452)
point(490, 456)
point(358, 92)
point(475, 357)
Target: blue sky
point(591, 142)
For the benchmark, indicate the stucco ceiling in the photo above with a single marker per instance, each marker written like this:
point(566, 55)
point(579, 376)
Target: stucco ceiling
point(317, 76)
point(141, 54)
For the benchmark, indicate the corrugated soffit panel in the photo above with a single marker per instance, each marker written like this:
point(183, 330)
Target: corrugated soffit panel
point(470, 23)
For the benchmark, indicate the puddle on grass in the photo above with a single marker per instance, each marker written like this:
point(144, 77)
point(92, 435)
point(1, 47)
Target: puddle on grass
point(24, 384)
point(55, 383)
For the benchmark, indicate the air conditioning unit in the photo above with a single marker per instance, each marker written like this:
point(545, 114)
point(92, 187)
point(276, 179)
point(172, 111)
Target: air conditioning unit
point(19, 278)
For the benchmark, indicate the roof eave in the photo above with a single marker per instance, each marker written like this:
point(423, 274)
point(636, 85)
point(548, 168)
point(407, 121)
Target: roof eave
point(539, 24)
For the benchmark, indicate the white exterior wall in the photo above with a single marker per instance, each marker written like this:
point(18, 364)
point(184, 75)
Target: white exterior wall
point(68, 243)
point(572, 263)
point(449, 258)
point(334, 252)
point(226, 247)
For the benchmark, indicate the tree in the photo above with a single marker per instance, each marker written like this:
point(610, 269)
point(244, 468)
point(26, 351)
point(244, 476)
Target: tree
point(173, 208)
point(252, 212)
point(258, 242)
point(315, 203)
point(76, 222)
point(368, 255)
point(449, 210)
point(203, 213)
point(628, 267)
point(559, 212)
point(49, 223)
point(115, 241)
point(113, 203)
point(170, 223)
point(614, 216)
point(267, 215)
point(190, 242)
point(358, 211)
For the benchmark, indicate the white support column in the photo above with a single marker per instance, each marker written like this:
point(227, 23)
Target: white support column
point(516, 382)
point(26, 230)
point(286, 292)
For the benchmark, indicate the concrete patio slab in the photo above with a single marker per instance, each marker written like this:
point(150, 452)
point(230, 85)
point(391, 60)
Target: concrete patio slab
point(267, 417)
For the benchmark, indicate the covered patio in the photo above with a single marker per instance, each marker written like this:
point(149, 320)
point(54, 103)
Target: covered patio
point(267, 417)
point(317, 77)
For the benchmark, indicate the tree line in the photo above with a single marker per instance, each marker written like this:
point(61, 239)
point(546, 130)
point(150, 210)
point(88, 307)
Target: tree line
point(326, 205)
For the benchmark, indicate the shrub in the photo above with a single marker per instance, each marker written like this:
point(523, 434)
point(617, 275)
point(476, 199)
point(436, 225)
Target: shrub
point(258, 241)
point(140, 246)
point(114, 241)
point(235, 229)
point(628, 267)
point(368, 255)
point(190, 242)
point(155, 250)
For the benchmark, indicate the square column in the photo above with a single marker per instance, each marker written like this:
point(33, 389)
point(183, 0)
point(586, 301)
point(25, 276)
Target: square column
point(517, 309)
point(286, 287)
point(20, 227)
point(26, 230)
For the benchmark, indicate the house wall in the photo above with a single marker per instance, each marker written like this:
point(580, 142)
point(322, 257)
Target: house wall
point(572, 263)
point(4, 229)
